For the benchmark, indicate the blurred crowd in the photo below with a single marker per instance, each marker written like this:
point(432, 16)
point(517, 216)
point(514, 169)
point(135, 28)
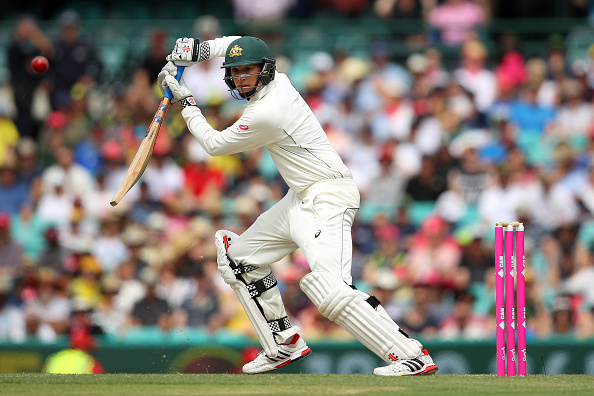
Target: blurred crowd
point(440, 154)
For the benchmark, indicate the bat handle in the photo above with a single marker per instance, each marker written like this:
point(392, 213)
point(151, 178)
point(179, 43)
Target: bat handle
point(180, 71)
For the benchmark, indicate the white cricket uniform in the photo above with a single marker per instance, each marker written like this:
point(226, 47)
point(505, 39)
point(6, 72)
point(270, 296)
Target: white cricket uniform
point(317, 213)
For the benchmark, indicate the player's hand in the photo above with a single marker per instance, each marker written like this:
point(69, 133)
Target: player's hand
point(186, 52)
point(168, 70)
point(178, 88)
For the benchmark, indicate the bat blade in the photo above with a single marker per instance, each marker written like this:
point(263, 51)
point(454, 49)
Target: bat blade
point(143, 154)
point(145, 151)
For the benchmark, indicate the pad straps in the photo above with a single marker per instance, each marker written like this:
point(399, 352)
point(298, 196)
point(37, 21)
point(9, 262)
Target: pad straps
point(239, 269)
point(371, 300)
point(279, 325)
point(255, 289)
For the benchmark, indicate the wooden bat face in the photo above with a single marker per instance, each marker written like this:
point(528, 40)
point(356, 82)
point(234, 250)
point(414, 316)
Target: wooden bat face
point(145, 151)
point(143, 154)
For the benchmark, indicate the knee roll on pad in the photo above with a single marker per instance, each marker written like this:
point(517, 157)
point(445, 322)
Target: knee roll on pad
point(354, 311)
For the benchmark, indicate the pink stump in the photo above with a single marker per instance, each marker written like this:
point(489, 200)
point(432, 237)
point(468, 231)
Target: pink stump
point(510, 302)
point(499, 301)
point(521, 302)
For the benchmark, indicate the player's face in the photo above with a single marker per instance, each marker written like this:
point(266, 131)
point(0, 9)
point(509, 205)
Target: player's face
point(246, 77)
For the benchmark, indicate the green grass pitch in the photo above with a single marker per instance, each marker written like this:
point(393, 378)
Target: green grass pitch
point(291, 384)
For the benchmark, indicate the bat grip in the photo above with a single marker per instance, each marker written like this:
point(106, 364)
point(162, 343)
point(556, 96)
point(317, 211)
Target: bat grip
point(180, 71)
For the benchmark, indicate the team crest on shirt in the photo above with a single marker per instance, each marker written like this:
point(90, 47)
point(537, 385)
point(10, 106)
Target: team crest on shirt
point(244, 127)
point(235, 51)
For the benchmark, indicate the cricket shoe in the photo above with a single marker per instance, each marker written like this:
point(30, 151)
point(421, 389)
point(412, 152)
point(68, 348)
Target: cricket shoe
point(421, 365)
point(287, 353)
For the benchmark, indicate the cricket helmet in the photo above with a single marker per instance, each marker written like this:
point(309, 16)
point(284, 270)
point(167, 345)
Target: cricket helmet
point(248, 51)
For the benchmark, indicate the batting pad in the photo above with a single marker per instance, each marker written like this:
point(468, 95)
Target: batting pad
point(349, 308)
point(270, 332)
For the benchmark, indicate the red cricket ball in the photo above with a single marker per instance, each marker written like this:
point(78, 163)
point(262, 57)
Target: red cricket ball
point(40, 64)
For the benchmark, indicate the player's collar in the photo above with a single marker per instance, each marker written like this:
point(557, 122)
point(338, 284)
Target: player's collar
point(262, 92)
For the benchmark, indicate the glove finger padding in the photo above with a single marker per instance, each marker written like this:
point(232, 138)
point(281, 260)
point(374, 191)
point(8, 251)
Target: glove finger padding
point(179, 89)
point(186, 52)
point(168, 70)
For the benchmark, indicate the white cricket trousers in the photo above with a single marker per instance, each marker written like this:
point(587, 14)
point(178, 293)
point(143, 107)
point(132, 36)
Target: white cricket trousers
point(318, 221)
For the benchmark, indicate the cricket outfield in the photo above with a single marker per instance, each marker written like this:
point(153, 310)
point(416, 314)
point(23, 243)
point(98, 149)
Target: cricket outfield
point(291, 384)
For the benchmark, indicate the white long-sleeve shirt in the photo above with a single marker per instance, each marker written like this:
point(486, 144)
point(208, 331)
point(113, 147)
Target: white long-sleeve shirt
point(278, 119)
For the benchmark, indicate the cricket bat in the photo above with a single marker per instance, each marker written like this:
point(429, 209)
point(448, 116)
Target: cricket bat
point(143, 155)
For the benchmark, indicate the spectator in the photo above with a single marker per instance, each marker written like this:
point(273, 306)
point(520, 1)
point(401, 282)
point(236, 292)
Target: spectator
point(201, 179)
point(13, 189)
point(140, 98)
point(476, 258)
point(457, 21)
point(384, 191)
point(47, 315)
point(574, 119)
point(530, 117)
point(393, 292)
point(427, 186)
point(203, 307)
point(107, 315)
point(131, 288)
point(261, 10)
point(109, 248)
point(395, 117)
point(9, 135)
point(434, 253)
point(153, 60)
point(163, 176)
point(74, 59)
point(547, 91)
point(12, 318)
point(54, 206)
point(464, 323)
point(11, 252)
point(204, 79)
point(172, 288)
point(419, 319)
point(386, 257)
point(114, 169)
point(350, 8)
point(406, 9)
point(30, 169)
point(54, 255)
point(367, 97)
point(85, 288)
point(75, 180)
point(27, 42)
point(471, 176)
point(474, 76)
point(135, 238)
point(151, 310)
point(563, 318)
point(28, 230)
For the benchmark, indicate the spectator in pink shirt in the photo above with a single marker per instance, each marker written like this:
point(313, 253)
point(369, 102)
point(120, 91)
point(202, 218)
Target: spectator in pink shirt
point(434, 253)
point(457, 19)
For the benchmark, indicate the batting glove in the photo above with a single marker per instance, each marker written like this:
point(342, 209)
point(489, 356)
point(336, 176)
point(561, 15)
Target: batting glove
point(180, 91)
point(168, 70)
point(186, 52)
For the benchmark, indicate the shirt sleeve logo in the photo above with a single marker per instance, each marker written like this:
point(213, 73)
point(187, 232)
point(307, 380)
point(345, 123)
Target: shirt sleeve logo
point(235, 51)
point(244, 127)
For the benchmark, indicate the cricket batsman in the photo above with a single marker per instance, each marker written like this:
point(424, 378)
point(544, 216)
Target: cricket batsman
point(316, 215)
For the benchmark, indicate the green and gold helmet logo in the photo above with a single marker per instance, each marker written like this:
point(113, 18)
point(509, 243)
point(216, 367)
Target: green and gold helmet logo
point(235, 51)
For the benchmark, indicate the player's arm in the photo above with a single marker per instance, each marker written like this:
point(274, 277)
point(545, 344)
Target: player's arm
point(248, 133)
point(251, 131)
point(188, 51)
